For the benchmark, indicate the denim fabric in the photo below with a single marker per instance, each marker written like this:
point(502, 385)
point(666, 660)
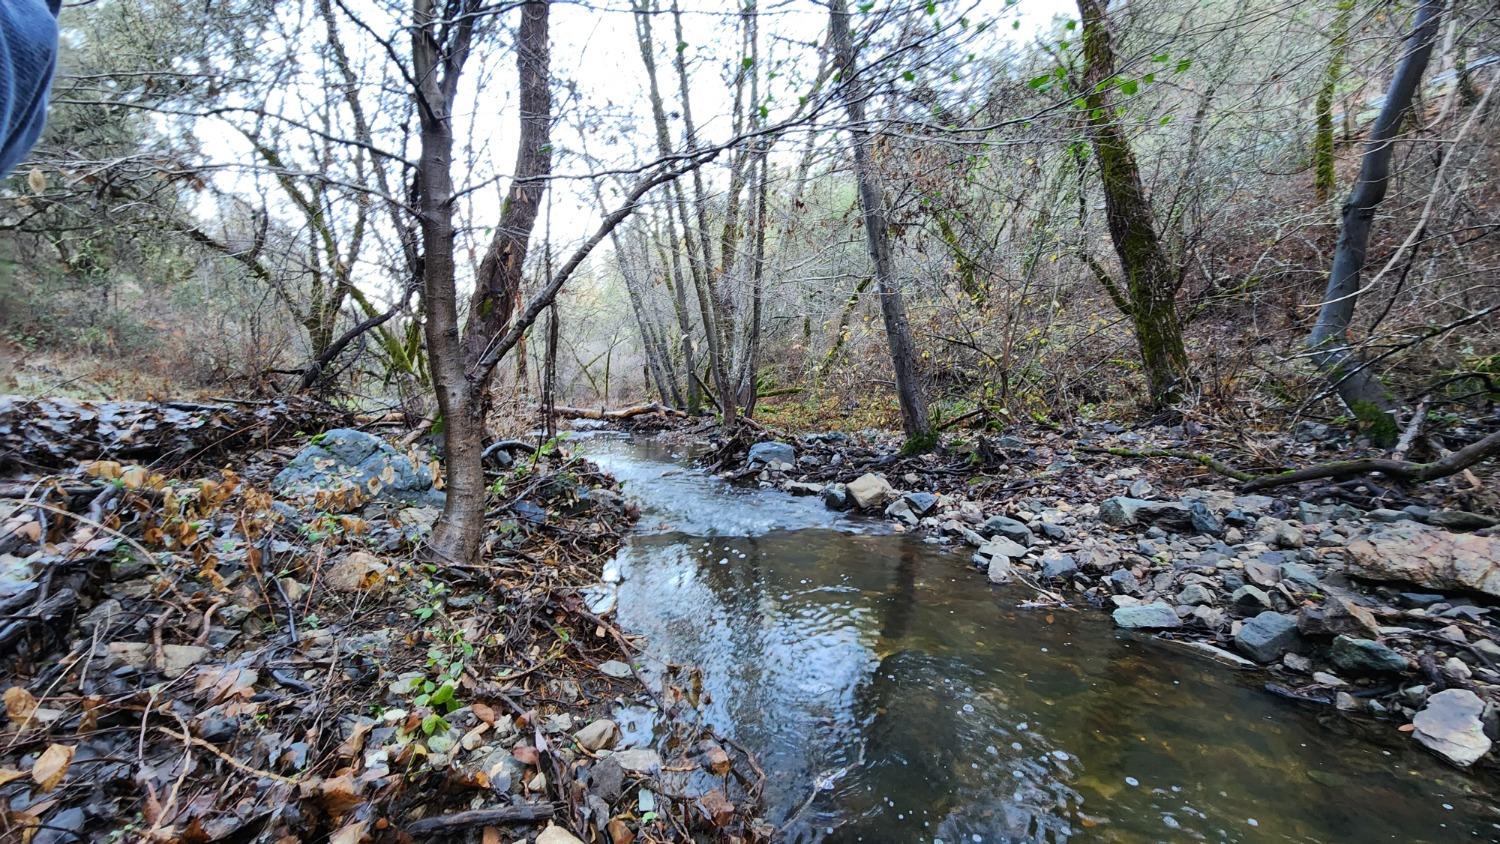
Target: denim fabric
point(28, 54)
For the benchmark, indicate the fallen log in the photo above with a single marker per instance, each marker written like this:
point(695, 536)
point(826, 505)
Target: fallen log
point(1401, 470)
point(479, 817)
point(54, 432)
point(616, 415)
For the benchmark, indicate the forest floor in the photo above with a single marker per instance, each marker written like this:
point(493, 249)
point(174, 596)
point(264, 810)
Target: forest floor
point(1358, 594)
point(248, 645)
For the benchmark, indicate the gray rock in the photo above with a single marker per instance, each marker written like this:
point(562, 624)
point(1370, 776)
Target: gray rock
point(598, 735)
point(1299, 574)
point(1427, 556)
point(902, 512)
point(836, 497)
point(1056, 565)
point(1123, 511)
point(1204, 521)
point(1267, 636)
point(1124, 582)
point(1194, 594)
point(920, 503)
point(344, 458)
point(1153, 616)
point(639, 760)
point(768, 453)
point(1000, 570)
point(1338, 616)
point(869, 490)
point(1263, 573)
point(1364, 656)
point(1000, 547)
point(1450, 725)
point(1250, 598)
point(1459, 520)
point(1056, 533)
point(1009, 528)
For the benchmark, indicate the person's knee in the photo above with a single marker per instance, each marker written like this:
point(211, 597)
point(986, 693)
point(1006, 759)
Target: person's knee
point(28, 55)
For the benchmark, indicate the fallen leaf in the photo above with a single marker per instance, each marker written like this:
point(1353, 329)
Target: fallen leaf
point(19, 703)
point(490, 835)
point(52, 766)
point(717, 807)
point(340, 794)
point(1406, 728)
point(525, 753)
point(619, 833)
point(483, 712)
point(350, 833)
point(10, 775)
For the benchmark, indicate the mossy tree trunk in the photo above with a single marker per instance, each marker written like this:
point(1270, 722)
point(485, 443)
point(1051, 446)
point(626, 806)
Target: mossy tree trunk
point(1149, 294)
point(1322, 146)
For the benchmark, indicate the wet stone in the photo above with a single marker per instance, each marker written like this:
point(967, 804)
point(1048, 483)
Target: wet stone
point(1450, 725)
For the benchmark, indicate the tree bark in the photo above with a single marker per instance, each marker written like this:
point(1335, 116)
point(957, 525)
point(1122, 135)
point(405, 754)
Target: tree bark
point(1322, 147)
point(909, 387)
point(1150, 282)
point(1355, 383)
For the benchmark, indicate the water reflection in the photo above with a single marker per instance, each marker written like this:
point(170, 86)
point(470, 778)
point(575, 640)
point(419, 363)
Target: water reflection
point(937, 711)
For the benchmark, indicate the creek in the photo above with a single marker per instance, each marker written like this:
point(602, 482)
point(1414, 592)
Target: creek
point(892, 694)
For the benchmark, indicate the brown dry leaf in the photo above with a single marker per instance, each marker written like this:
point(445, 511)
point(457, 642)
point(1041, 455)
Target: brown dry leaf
point(1406, 728)
point(717, 807)
point(52, 766)
point(483, 712)
point(525, 753)
point(340, 794)
point(29, 531)
point(105, 469)
point(19, 703)
point(350, 833)
point(10, 775)
point(134, 478)
point(350, 747)
point(619, 833)
point(490, 835)
point(714, 758)
point(36, 180)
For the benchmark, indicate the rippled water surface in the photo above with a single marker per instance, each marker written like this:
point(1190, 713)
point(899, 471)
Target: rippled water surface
point(934, 709)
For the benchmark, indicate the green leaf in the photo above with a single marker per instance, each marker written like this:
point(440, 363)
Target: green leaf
point(1070, 25)
point(864, 8)
point(1161, 57)
point(1041, 83)
point(747, 63)
point(931, 7)
point(1184, 65)
point(443, 695)
point(1148, 78)
point(909, 76)
point(1129, 87)
point(1165, 119)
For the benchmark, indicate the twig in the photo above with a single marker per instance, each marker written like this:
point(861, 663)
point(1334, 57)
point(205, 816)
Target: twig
point(1205, 460)
point(480, 817)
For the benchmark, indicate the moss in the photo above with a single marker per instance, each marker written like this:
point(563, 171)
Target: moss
point(1378, 425)
point(919, 444)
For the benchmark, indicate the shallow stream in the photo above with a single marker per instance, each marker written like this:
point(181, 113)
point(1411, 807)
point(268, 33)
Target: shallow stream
point(933, 708)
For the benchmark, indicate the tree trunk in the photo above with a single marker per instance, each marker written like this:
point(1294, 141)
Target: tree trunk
point(462, 363)
point(1150, 283)
point(1358, 387)
point(1322, 147)
point(914, 419)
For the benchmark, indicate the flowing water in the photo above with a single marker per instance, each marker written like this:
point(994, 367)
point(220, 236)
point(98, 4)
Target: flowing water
point(892, 694)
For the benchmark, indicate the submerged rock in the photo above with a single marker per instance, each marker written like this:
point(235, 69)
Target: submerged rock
point(1451, 725)
point(1153, 616)
point(1429, 557)
point(1267, 636)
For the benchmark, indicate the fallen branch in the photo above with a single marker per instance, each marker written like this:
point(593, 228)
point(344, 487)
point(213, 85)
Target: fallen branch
point(1205, 460)
point(480, 817)
point(1401, 470)
point(614, 415)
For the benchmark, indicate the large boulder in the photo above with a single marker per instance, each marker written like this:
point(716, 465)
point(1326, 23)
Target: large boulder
point(771, 453)
point(1451, 726)
point(869, 490)
point(1123, 511)
point(344, 460)
point(1427, 556)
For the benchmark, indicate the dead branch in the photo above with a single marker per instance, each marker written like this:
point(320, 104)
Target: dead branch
point(479, 817)
point(1401, 470)
point(615, 415)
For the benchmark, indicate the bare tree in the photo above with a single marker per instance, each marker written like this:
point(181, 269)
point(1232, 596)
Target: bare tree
point(909, 387)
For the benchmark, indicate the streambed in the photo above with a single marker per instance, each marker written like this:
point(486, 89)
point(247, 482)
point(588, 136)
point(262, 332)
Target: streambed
point(929, 706)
